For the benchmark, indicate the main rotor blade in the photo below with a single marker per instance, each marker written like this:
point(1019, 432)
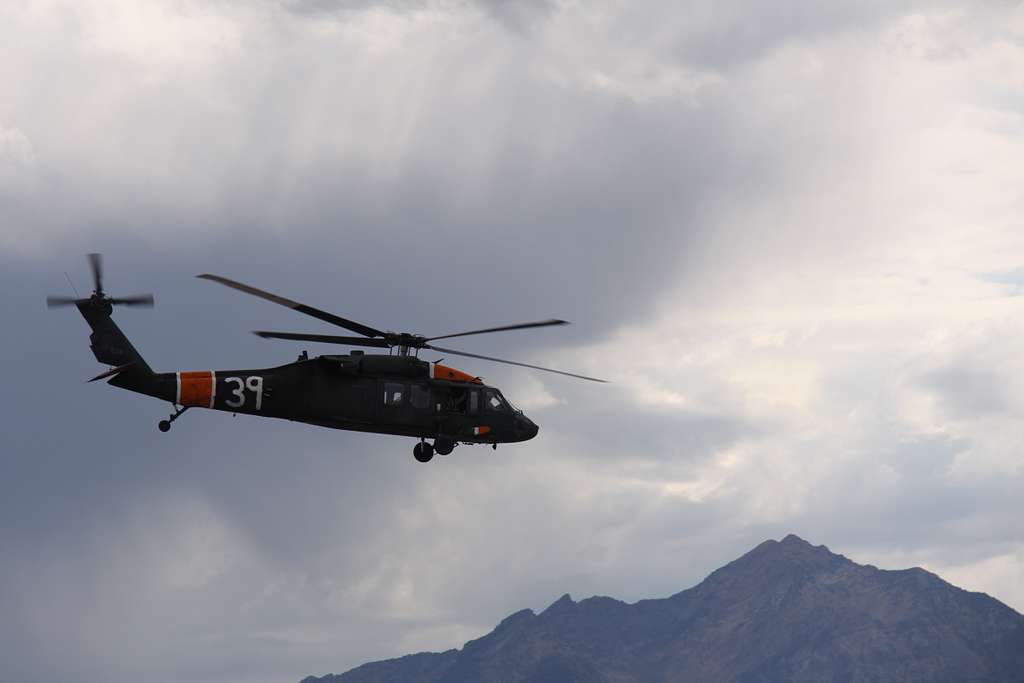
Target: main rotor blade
point(295, 305)
point(519, 326)
point(325, 338)
point(512, 362)
point(138, 300)
point(55, 301)
point(96, 264)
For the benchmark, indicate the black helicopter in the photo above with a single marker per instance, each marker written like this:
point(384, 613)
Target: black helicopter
point(393, 393)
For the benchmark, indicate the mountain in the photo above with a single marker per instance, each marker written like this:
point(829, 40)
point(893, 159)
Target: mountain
point(785, 611)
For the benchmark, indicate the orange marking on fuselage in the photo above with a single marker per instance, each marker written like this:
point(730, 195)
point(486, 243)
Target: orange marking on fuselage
point(196, 389)
point(453, 375)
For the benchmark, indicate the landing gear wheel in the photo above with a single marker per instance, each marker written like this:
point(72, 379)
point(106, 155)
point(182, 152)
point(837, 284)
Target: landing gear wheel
point(165, 425)
point(423, 451)
point(444, 446)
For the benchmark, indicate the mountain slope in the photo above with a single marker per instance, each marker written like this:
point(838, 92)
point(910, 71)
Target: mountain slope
point(785, 611)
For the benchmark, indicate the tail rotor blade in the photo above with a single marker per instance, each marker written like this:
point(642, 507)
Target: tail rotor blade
point(57, 301)
point(145, 300)
point(96, 264)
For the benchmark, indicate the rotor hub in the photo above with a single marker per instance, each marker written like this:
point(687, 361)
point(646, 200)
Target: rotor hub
point(405, 341)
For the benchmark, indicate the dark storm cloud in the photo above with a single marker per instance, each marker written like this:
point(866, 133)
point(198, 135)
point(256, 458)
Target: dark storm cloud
point(589, 234)
point(582, 201)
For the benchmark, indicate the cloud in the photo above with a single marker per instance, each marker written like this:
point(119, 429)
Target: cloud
point(768, 229)
point(969, 390)
point(517, 15)
point(17, 161)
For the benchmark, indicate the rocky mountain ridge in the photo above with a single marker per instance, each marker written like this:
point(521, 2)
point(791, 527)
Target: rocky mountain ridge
point(785, 611)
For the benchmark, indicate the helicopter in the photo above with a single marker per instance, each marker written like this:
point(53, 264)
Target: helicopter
point(393, 393)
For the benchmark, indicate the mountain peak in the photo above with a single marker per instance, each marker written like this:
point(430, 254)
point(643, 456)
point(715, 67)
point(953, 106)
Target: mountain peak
point(793, 539)
point(791, 550)
point(793, 543)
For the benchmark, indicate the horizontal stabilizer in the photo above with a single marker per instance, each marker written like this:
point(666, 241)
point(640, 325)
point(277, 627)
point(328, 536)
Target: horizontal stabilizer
point(111, 372)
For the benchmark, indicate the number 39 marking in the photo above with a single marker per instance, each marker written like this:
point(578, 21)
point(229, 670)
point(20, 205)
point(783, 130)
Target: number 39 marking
point(253, 384)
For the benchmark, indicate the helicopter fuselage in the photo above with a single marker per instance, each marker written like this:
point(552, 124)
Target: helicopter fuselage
point(385, 394)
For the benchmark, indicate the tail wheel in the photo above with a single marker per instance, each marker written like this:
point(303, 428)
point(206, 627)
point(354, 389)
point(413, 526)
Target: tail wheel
point(423, 451)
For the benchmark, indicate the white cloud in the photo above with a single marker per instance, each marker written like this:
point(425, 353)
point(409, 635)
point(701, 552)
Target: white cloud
point(17, 160)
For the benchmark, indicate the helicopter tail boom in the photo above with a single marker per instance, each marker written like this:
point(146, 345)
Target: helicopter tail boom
point(111, 347)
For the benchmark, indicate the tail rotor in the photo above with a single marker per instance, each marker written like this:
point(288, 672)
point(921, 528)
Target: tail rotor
point(99, 298)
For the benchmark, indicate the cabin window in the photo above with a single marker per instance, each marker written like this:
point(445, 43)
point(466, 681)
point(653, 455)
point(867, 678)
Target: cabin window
point(494, 401)
point(394, 394)
point(459, 400)
point(455, 399)
point(419, 397)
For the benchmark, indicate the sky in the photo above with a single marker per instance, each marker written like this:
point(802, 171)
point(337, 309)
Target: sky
point(789, 234)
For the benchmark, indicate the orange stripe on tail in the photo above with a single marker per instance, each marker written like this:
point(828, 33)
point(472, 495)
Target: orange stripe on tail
point(196, 388)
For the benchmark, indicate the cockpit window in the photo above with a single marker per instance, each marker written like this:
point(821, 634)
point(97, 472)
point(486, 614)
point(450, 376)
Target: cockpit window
point(494, 401)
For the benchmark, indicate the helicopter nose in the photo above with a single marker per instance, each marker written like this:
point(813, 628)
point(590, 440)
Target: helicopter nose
point(527, 428)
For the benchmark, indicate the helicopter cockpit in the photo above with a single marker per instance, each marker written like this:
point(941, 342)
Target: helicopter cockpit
point(493, 400)
point(471, 400)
